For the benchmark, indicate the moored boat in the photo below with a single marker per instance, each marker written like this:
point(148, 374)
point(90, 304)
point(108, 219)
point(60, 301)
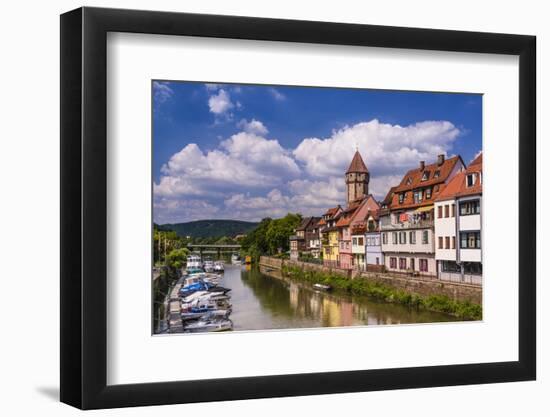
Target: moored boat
point(322, 287)
point(194, 262)
point(209, 324)
point(208, 266)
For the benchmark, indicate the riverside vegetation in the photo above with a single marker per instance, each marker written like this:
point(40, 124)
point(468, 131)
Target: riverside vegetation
point(465, 310)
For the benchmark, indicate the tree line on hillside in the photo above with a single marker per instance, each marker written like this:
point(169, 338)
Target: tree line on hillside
point(270, 237)
point(213, 229)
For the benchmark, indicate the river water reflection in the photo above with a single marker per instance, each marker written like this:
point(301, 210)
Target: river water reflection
point(262, 302)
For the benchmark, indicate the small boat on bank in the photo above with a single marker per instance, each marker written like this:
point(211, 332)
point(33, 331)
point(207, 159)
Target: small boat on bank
point(322, 287)
point(235, 259)
point(219, 266)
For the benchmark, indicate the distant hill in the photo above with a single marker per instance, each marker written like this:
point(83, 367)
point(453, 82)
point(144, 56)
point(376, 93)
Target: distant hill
point(210, 228)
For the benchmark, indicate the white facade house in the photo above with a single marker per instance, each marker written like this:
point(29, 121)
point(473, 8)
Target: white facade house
point(409, 246)
point(458, 227)
point(358, 250)
point(407, 217)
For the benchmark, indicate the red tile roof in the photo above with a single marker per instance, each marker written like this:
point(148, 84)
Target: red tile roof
point(457, 187)
point(413, 178)
point(307, 222)
point(357, 164)
point(389, 196)
point(413, 181)
point(331, 211)
point(475, 167)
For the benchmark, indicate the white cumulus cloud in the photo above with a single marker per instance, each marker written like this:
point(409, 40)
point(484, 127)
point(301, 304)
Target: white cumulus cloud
point(220, 103)
point(249, 176)
point(254, 126)
point(385, 148)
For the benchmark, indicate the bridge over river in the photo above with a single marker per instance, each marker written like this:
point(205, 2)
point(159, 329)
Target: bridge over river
point(213, 249)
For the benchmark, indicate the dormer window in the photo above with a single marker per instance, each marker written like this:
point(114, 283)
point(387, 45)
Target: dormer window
point(437, 173)
point(417, 196)
point(409, 181)
point(470, 180)
point(425, 175)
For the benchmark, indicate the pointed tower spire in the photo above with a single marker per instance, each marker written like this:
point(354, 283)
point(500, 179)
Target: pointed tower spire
point(357, 164)
point(357, 179)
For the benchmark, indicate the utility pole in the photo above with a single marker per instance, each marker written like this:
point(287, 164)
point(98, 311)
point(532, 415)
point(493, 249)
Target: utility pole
point(160, 237)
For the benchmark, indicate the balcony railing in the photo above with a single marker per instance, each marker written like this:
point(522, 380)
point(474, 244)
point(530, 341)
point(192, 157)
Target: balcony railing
point(420, 224)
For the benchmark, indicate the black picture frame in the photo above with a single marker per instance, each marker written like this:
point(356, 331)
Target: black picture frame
point(84, 207)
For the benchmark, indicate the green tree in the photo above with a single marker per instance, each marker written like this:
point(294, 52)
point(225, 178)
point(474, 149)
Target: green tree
point(176, 258)
point(271, 236)
point(255, 243)
point(279, 232)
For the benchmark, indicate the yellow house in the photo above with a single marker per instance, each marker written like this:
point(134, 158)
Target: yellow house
point(329, 236)
point(334, 256)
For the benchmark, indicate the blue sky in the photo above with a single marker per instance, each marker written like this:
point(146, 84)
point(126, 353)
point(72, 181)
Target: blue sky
point(249, 151)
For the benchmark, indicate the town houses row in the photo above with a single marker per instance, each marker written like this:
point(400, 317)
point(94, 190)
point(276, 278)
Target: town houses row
point(427, 225)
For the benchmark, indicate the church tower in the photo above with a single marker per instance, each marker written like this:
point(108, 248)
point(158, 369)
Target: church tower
point(357, 179)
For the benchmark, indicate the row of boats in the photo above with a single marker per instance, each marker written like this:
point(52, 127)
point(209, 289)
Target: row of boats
point(205, 304)
point(195, 262)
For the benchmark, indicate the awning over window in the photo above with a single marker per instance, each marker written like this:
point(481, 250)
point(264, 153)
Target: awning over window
point(423, 209)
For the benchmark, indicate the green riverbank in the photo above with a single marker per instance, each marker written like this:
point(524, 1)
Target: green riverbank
point(360, 286)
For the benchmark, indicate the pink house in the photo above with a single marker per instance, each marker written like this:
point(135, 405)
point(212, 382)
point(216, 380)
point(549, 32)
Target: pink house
point(354, 215)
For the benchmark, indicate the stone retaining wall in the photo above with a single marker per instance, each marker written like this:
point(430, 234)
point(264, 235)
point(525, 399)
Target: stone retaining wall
point(415, 285)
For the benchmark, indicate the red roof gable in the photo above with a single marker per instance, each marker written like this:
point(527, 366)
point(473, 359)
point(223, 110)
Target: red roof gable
point(331, 211)
point(433, 176)
point(458, 187)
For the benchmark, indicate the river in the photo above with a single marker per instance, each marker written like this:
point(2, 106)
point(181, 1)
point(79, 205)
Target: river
point(262, 302)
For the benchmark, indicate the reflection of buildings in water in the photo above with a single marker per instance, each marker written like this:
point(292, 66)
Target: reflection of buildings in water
point(293, 292)
point(347, 313)
point(331, 313)
point(315, 304)
point(360, 311)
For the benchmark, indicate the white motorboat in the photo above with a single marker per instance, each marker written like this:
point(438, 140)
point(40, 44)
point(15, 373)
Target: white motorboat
point(208, 266)
point(235, 259)
point(210, 314)
point(194, 262)
point(204, 299)
point(219, 266)
point(194, 310)
point(209, 324)
point(322, 287)
point(195, 296)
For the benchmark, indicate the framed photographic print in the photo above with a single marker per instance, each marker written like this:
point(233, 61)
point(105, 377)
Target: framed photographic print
point(258, 207)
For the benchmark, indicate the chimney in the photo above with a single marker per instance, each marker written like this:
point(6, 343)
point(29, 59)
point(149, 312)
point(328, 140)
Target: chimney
point(440, 159)
point(422, 165)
